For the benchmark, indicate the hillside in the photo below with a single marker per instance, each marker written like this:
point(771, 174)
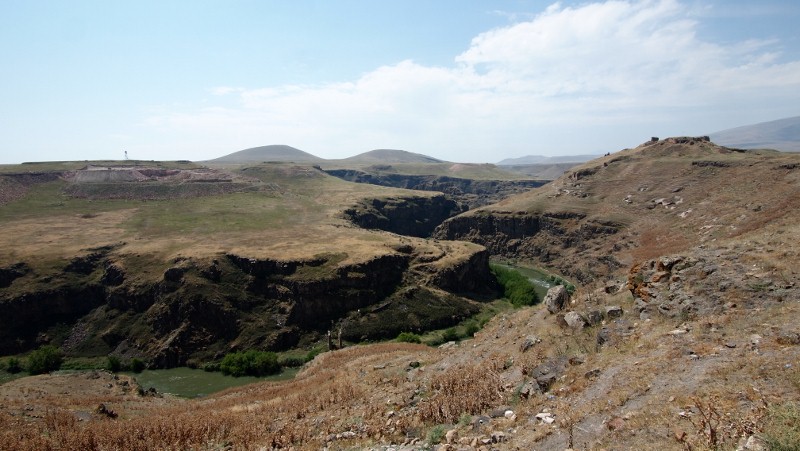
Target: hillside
point(684, 333)
point(659, 198)
point(544, 160)
point(264, 154)
point(179, 265)
point(781, 134)
point(386, 156)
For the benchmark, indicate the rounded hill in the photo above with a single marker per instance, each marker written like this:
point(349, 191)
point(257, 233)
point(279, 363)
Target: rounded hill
point(278, 152)
point(389, 156)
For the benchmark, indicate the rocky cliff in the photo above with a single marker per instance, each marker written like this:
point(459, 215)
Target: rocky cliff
point(201, 308)
point(470, 193)
point(662, 197)
point(408, 215)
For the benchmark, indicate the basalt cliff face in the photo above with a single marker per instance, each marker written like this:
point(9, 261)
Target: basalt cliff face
point(469, 193)
point(202, 308)
point(407, 215)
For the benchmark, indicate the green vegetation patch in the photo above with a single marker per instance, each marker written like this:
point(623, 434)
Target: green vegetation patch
point(44, 360)
point(250, 363)
point(516, 287)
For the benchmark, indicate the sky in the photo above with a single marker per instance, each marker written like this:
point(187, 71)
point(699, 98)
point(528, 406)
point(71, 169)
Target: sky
point(459, 80)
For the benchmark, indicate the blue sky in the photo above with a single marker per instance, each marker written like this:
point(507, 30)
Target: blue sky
point(469, 81)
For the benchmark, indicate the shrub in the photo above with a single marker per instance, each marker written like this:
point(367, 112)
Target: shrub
point(45, 359)
point(313, 353)
point(436, 434)
point(516, 287)
point(555, 280)
point(137, 366)
point(409, 337)
point(211, 367)
point(471, 329)
point(291, 361)
point(450, 335)
point(250, 363)
point(13, 365)
point(113, 364)
point(782, 429)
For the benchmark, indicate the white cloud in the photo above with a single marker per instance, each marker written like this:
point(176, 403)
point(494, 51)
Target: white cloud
point(619, 70)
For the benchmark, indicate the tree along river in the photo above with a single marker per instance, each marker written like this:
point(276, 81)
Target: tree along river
point(538, 278)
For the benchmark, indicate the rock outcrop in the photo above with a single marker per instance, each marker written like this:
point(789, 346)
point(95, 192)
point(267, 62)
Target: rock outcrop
point(468, 192)
point(197, 309)
point(411, 215)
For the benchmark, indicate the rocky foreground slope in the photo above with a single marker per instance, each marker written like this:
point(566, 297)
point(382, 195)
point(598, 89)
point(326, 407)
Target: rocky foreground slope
point(685, 334)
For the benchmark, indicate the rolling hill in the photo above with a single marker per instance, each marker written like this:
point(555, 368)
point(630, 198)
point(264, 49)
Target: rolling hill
point(262, 154)
point(387, 156)
point(781, 134)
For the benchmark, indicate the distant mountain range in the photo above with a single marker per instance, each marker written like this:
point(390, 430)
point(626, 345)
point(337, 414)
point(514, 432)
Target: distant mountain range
point(781, 134)
point(285, 153)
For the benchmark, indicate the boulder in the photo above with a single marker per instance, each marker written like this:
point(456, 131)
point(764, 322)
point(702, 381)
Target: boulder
point(613, 311)
point(575, 320)
point(556, 298)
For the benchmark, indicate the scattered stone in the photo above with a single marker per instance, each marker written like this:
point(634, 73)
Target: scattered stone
point(592, 373)
point(594, 317)
point(786, 337)
point(556, 298)
point(545, 418)
point(615, 424)
point(529, 389)
point(575, 320)
point(529, 342)
point(730, 344)
point(509, 414)
point(752, 443)
point(677, 332)
point(611, 287)
point(577, 360)
point(414, 364)
point(103, 410)
point(755, 339)
point(613, 311)
point(481, 421)
point(451, 436)
point(499, 412)
point(498, 437)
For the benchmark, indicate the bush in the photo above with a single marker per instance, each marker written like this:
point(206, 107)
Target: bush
point(250, 363)
point(450, 335)
point(291, 361)
point(113, 364)
point(471, 329)
point(137, 366)
point(436, 434)
point(555, 280)
point(44, 360)
point(313, 353)
point(782, 429)
point(516, 287)
point(13, 365)
point(409, 337)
